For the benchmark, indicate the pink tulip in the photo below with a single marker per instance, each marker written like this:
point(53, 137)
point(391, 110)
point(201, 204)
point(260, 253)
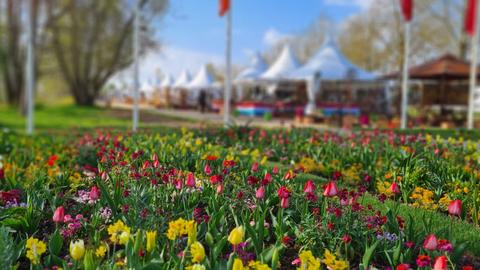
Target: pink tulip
point(330, 189)
point(455, 208)
point(284, 203)
point(394, 188)
point(219, 188)
point(94, 193)
point(59, 215)
point(440, 263)
point(309, 187)
point(207, 170)
point(255, 167)
point(260, 194)
point(275, 170)
point(179, 184)
point(190, 180)
point(430, 242)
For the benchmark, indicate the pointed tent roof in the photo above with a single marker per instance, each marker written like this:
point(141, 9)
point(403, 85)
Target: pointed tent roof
point(167, 81)
point(184, 79)
point(255, 70)
point(332, 65)
point(203, 79)
point(285, 64)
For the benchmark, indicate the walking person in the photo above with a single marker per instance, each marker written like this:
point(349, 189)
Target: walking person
point(202, 100)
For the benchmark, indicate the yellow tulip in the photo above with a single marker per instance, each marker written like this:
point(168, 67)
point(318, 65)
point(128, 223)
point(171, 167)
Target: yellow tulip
point(236, 235)
point(237, 265)
point(151, 240)
point(198, 252)
point(77, 250)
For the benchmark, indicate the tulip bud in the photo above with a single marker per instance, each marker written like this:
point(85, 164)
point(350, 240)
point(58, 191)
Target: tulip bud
point(284, 203)
point(430, 242)
point(207, 170)
point(59, 215)
point(394, 188)
point(190, 180)
point(209, 239)
point(219, 188)
point(94, 193)
point(440, 263)
point(455, 208)
point(330, 189)
point(260, 194)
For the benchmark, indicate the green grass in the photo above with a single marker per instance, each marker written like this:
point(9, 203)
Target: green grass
point(67, 117)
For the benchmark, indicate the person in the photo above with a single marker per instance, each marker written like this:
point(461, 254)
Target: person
point(202, 100)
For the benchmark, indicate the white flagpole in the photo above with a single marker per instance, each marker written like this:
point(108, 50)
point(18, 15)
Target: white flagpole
point(473, 70)
point(228, 68)
point(136, 82)
point(403, 122)
point(30, 76)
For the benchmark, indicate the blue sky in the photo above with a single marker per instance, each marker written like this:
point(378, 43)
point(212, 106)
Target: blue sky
point(192, 33)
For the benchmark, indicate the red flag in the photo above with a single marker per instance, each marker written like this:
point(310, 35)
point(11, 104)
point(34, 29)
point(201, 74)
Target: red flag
point(471, 17)
point(224, 7)
point(407, 9)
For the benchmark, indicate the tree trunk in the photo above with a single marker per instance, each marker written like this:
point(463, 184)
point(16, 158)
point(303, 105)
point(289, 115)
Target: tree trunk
point(84, 95)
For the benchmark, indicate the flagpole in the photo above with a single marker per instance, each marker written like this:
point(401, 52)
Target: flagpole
point(30, 79)
point(473, 69)
point(403, 122)
point(228, 69)
point(136, 82)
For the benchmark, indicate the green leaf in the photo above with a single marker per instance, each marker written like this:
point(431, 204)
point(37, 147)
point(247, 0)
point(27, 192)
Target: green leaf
point(55, 244)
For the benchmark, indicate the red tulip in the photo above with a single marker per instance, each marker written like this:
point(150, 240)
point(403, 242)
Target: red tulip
point(94, 193)
point(430, 242)
point(219, 188)
point(330, 189)
point(179, 184)
point(283, 192)
point(190, 180)
point(59, 215)
point(403, 266)
point(440, 263)
point(289, 175)
point(255, 167)
point(275, 170)
point(346, 239)
point(260, 194)
point(394, 188)
point(309, 187)
point(284, 203)
point(455, 208)
point(207, 170)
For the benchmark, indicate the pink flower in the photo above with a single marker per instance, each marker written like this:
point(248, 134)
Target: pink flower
point(297, 261)
point(423, 260)
point(455, 208)
point(94, 193)
point(284, 203)
point(260, 194)
point(67, 219)
point(403, 266)
point(190, 180)
point(255, 167)
point(207, 170)
point(394, 188)
point(178, 184)
point(445, 245)
point(346, 239)
point(330, 189)
point(219, 188)
point(430, 242)
point(309, 187)
point(275, 170)
point(440, 263)
point(59, 215)
point(283, 192)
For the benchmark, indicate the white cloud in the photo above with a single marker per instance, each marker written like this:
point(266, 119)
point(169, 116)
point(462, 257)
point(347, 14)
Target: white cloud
point(363, 4)
point(168, 60)
point(272, 36)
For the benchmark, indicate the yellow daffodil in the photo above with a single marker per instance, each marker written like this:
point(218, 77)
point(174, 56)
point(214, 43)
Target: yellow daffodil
point(77, 249)
point(191, 231)
point(35, 249)
point(119, 232)
point(197, 251)
point(100, 251)
point(308, 261)
point(256, 265)
point(195, 267)
point(151, 240)
point(236, 235)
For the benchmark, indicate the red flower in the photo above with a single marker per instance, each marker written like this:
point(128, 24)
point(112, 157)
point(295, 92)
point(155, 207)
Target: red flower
point(444, 245)
point(346, 239)
point(190, 180)
point(394, 188)
point(267, 178)
point(468, 267)
point(219, 188)
point(51, 160)
point(284, 202)
point(207, 170)
point(215, 179)
point(430, 242)
point(440, 263)
point(211, 158)
point(254, 167)
point(11, 196)
point(59, 215)
point(309, 187)
point(455, 208)
point(289, 175)
point(423, 261)
point(330, 189)
point(275, 170)
point(283, 192)
point(94, 193)
point(403, 266)
point(260, 194)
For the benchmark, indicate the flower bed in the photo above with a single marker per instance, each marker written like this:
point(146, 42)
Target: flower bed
point(234, 199)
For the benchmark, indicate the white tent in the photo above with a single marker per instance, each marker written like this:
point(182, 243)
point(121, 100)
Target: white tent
point(254, 71)
point(332, 65)
point(183, 80)
point(285, 64)
point(203, 79)
point(167, 82)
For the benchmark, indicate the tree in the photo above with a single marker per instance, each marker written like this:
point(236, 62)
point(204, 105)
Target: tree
point(92, 40)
